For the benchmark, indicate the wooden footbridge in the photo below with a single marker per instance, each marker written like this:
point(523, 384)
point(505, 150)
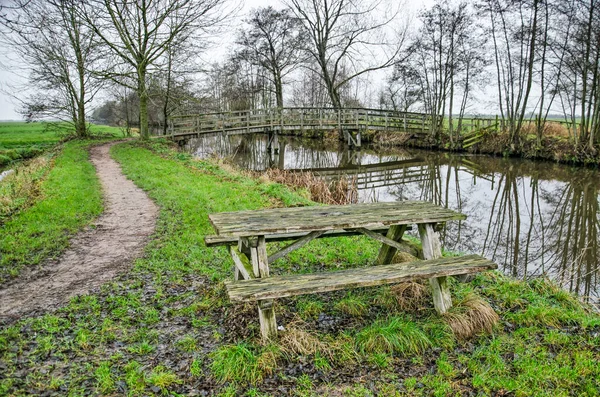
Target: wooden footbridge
point(352, 122)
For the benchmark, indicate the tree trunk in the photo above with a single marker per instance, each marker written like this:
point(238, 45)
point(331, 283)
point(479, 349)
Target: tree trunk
point(81, 127)
point(168, 92)
point(278, 89)
point(450, 120)
point(516, 136)
point(143, 95)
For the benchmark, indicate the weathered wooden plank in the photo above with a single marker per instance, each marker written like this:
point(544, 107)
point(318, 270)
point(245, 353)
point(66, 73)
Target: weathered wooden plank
point(290, 285)
point(290, 220)
point(432, 249)
point(232, 219)
point(266, 316)
point(263, 259)
point(254, 259)
point(387, 251)
point(266, 311)
point(301, 242)
point(383, 239)
point(242, 264)
point(214, 241)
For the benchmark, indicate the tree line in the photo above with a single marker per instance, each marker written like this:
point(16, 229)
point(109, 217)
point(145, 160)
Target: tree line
point(529, 60)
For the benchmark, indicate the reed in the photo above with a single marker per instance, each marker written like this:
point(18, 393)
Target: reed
point(337, 191)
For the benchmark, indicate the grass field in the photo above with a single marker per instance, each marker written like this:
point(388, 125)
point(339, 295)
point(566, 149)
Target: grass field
point(21, 140)
point(167, 327)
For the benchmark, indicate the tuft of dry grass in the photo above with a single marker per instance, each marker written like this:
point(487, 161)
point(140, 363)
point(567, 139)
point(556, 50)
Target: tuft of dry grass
point(342, 191)
point(396, 138)
point(550, 128)
point(410, 295)
point(470, 317)
point(402, 257)
point(556, 129)
point(295, 340)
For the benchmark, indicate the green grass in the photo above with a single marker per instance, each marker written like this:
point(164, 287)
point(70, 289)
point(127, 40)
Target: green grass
point(394, 335)
point(21, 140)
point(21, 134)
point(167, 326)
point(69, 198)
point(236, 363)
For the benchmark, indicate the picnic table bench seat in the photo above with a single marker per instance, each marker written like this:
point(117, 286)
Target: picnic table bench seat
point(274, 287)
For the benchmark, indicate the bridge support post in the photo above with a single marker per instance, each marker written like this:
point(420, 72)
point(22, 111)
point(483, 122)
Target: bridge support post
point(353, 143)
point(269, 132)
point(272, 140)
point(275, 143)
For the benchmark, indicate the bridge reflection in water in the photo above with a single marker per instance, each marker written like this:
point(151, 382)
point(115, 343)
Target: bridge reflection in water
point(532, 218)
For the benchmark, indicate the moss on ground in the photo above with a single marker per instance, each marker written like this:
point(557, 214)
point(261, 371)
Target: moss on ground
point(167, 327)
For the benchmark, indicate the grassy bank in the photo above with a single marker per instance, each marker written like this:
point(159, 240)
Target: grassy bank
point(554, 146)
point(21, 140)
point(43, 203)
point(167, 327)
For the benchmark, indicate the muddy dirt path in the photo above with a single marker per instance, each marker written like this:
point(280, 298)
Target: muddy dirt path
point(96, 254)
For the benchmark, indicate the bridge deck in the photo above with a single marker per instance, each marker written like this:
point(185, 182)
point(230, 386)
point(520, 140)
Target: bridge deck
point(298, 119)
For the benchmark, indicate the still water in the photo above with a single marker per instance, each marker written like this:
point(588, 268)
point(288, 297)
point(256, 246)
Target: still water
point(531, 218)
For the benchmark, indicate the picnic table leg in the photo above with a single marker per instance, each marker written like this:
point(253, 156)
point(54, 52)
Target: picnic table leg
point(386, 253)
point(266, 311)
point(432, 249)
point(244, 248)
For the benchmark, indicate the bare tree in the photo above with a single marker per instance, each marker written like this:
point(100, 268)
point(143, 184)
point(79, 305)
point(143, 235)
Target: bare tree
point(346, 39)
point(514, 29)
point(579, 89)
point(237, 85)
point(403, 89)
point(272, 42)
point(308, 89)
point(139, 33)
point(442, 63)
point(59, 50)
point(174, 82)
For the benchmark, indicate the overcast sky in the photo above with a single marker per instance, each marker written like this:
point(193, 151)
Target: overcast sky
point(11, 79)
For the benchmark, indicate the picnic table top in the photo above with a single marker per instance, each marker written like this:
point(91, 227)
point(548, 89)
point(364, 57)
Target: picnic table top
point(330, 217)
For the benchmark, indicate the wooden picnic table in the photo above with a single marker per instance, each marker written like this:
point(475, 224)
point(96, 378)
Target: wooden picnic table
point(247, 233)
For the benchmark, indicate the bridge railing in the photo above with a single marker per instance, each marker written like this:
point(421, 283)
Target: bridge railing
point(300, 118)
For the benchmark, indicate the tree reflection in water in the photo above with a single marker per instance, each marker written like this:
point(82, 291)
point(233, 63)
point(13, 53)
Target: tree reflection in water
point(532, 218)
